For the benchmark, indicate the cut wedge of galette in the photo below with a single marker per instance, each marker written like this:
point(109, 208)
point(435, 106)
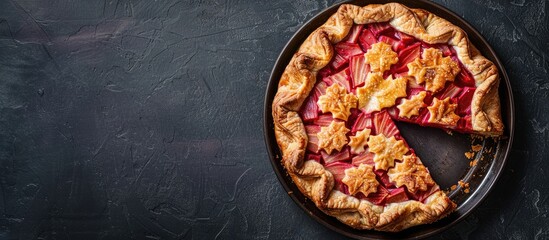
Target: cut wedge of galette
point(339, 95)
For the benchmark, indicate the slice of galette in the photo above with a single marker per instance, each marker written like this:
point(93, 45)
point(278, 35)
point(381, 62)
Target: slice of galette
point(339, 95)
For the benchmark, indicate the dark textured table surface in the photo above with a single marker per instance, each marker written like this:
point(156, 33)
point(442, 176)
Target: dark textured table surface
point(142, 119)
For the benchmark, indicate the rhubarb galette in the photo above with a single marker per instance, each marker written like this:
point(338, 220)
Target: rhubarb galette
point(339, 95)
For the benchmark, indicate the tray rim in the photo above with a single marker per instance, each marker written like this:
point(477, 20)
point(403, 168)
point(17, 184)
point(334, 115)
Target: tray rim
point(272, 147)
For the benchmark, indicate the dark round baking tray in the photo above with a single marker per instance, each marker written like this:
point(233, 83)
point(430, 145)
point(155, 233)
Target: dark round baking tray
point(441, 152)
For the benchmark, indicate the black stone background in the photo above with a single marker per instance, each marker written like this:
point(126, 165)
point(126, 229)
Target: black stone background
point(142, 119)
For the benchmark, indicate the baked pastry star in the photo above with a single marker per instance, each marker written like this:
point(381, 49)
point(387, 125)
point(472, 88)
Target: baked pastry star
point(433, 69)
point(379, 93)
point(337, 101)
point(443, 112)
point(386, 150)
point(361, 179)
point(332, 137)
point(411, 173)
point(380, 57)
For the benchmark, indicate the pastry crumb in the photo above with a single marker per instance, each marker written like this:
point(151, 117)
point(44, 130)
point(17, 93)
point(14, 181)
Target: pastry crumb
point(476, 147)
point(464, 186)
point(469, 155)
point(453, 187)
point(473, 163)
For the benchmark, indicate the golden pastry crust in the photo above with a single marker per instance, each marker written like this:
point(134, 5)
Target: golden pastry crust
point(313, 180)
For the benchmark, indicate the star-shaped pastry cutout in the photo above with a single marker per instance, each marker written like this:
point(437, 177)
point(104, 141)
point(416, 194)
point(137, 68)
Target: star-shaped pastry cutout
point(361, 179)
point(386, 150)
point(359, 140)
point(380, 57)
point(378, 93)
point(410, 107)
point(332, 137)
point(337, 101)
point(411, 173)
point(443, 112)
point(433, 69)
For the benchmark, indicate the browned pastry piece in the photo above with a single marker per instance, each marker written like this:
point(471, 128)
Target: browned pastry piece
point(299, 77)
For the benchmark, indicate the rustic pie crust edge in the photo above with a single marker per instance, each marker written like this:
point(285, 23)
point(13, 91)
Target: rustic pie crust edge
point(299, 77)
